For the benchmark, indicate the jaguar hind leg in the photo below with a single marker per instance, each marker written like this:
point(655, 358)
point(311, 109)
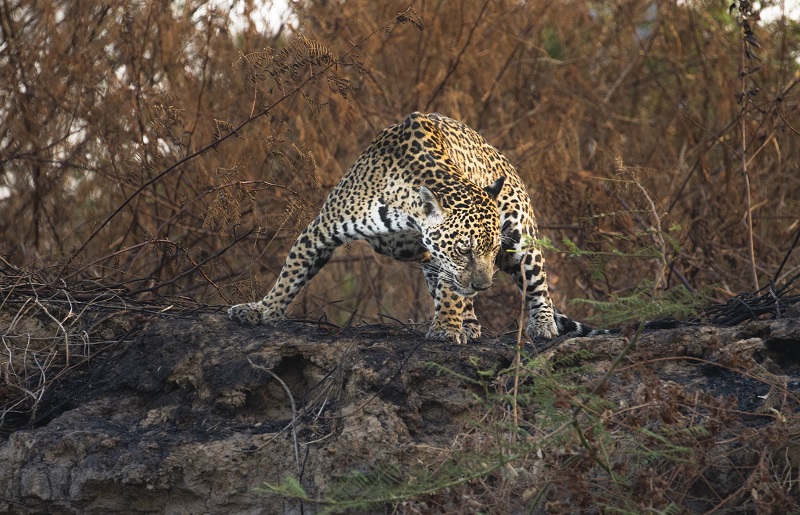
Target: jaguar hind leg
point(306, 257)
point(525, 264)
point(541, 323)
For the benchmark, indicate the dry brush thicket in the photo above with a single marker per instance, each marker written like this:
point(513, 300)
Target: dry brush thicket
point(175, 150)
point(620, 116)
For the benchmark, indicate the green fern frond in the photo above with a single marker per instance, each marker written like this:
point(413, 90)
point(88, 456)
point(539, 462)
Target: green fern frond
point(677, 302)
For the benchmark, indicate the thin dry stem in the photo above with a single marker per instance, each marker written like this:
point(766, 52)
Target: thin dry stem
point(520, 344)
point(745, 98)
point(294, 410)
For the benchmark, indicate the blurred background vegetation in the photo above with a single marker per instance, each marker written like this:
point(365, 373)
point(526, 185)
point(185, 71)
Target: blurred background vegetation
point(636, 124)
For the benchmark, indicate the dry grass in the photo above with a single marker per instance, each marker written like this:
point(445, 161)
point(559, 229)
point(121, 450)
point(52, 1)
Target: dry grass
point(594, 105)
point(50, 330)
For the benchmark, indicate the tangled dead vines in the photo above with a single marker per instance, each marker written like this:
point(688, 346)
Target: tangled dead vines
point(770, 300)
point(51, 328)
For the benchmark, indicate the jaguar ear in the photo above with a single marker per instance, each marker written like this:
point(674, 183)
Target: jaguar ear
point(430, 206)
point(494, 189)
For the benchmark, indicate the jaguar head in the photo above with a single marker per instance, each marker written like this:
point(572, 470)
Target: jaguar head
point(463, 238)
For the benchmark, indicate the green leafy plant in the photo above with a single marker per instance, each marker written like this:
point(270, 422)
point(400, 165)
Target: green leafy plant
point(647, 300)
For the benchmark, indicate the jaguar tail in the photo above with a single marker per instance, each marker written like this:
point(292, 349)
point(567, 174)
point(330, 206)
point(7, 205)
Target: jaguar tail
point(566, 325)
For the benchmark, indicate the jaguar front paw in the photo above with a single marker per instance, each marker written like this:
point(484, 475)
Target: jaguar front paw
point(252, 313)
point(459, 335)
point(447, 335)
point(471, 329)
point(245, 314)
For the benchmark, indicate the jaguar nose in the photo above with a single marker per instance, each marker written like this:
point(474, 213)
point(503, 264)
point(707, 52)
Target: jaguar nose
point(480, 286)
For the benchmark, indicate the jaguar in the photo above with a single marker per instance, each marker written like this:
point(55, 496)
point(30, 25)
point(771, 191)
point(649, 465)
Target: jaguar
point(432, 190)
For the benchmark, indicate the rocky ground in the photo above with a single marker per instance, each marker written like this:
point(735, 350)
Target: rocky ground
point(195, 412)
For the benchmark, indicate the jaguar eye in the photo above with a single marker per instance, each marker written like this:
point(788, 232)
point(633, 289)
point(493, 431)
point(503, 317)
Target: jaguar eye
point(462, 249)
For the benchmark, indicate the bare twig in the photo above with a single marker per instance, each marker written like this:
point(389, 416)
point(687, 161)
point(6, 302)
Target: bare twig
point(658, 236)
point(786, 257)
point(520, 343)
point(294, 409)
point(196, 266)
point(744, 12)
point(454, 63)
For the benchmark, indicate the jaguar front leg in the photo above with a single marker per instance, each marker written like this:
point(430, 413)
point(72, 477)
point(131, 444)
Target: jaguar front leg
point(454, 317)
point(470, 327)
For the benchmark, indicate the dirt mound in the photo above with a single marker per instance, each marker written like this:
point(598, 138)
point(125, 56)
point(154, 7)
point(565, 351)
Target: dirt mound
point(197, 412)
